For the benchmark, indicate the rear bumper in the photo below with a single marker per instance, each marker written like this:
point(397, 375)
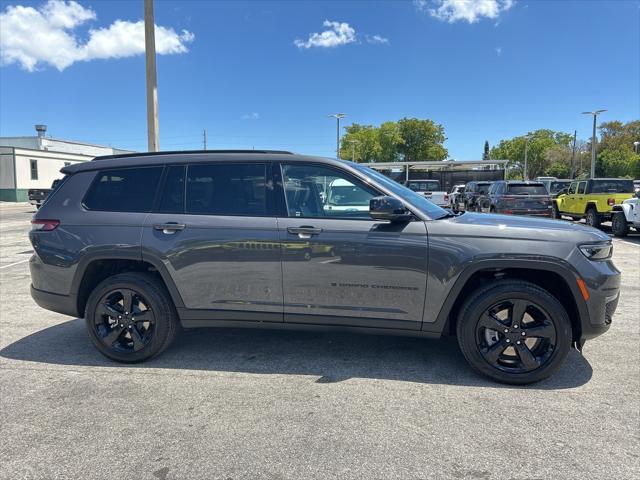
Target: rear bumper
point(65, 304)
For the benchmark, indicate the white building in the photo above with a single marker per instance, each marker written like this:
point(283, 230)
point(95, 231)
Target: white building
point(35, 162)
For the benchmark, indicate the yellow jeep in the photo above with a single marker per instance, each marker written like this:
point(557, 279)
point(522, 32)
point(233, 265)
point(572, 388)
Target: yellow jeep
point(592, 199)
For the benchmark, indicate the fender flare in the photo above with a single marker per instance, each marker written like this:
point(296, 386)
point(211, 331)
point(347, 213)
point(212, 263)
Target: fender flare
point(624, 208)
point(89, 258)
point(555, 265)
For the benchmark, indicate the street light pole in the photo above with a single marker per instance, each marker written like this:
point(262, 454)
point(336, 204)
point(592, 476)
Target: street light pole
point(337, 116)
point(353, 149)
point(525, 175)
point(152, 79)
point(595, 114)
point(635, 146)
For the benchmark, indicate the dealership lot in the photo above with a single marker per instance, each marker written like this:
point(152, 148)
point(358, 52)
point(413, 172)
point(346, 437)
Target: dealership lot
point(255, 404)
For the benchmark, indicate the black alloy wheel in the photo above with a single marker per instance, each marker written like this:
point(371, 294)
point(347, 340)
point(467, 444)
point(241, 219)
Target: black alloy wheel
point(124, 320)
point(515, 336)
point(130, 317)
point(513, 331)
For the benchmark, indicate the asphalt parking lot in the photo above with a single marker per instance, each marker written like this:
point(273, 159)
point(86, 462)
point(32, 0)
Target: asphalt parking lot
point(280, 405)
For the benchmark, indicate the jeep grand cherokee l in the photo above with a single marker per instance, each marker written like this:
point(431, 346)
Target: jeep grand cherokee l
point(140, 245)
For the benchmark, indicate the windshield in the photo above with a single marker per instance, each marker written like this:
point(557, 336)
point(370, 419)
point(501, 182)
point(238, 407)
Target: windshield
point(612, 186)
point(526, 189)
point(555, 187)
point(417, 200)
point(424, 186)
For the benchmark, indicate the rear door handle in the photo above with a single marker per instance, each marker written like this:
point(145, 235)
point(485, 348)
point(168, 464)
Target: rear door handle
point(304, 231)
point(169, 228)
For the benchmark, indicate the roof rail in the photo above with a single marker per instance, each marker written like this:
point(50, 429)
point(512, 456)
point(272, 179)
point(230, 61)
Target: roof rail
point(173, 152)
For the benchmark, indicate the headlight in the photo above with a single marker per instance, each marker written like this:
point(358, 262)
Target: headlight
point(598, 251)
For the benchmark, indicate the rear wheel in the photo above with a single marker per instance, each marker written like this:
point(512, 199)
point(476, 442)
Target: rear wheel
point(514, 332)
point(130, 317)
point(619, 225)
point(555, 213)
point(592, 218)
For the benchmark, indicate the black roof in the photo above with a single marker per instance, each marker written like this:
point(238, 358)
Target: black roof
point(189, 156)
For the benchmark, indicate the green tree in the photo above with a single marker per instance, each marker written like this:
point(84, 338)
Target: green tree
point(390, 141)
point(485, 153)
point(361, 140)
point(539, 145)
point(422, 140)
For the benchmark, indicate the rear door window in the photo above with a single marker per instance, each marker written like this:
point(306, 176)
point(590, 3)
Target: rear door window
point(172, 200)
point(123, 190)
point(227, 189)
point(582, 187)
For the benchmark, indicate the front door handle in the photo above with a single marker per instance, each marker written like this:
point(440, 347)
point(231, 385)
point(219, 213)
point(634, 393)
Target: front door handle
point(169, 228)
point(304, 231)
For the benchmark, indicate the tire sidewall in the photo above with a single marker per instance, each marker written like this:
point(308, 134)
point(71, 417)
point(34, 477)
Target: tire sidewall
point(593, 215)
point(619, 225)
point(158, 304)
point(471, 313)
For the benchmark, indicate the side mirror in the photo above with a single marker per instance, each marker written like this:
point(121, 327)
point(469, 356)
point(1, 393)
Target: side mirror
point(388, 208)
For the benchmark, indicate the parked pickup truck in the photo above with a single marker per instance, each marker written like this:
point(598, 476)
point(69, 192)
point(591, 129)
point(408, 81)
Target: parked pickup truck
point(516, 197)
point(37, 196)
point(431, 190)
point(592, 199)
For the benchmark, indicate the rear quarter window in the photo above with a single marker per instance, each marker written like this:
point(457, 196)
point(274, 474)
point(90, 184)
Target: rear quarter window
point(612, 186)
point(123, 190)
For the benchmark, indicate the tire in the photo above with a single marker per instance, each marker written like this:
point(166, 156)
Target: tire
point(116, 341)
point(555, 213)
point(510, 366)
point(619, 225)
point(592, 218)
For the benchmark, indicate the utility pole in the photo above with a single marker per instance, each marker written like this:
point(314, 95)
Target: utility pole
point(152, 80)
point(337, 116)
point(573, 155)
point(525, 175)
point(595, 114)
point(204, 138)
point(353, 149)
point(635, 146)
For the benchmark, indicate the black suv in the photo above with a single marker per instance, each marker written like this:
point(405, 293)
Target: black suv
point(468, 201)
point(140, 245)
point(515, 197)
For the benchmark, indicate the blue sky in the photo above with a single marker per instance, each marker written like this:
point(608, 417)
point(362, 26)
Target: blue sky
point(252, 74)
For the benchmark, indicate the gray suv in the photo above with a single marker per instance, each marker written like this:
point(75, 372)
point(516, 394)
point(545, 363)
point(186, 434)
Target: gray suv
point(142, 245)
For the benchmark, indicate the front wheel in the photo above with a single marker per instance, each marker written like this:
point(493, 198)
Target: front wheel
point(514, 332)
point(619, 225)
point(130, 317)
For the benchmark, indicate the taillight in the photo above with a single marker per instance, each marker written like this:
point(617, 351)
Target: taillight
point(611, 202)
point(44, 225)
point(446, 197)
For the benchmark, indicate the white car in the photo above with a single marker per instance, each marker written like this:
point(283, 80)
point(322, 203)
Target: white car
point(625, 215)
point(431, 190)
point(344, 196)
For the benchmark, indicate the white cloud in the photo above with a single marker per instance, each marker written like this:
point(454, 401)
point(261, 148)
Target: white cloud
point(498, 51)
point(470, 11)
point(251, 116)
point(339, 33)
point(45, 35)
point(377, 39)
